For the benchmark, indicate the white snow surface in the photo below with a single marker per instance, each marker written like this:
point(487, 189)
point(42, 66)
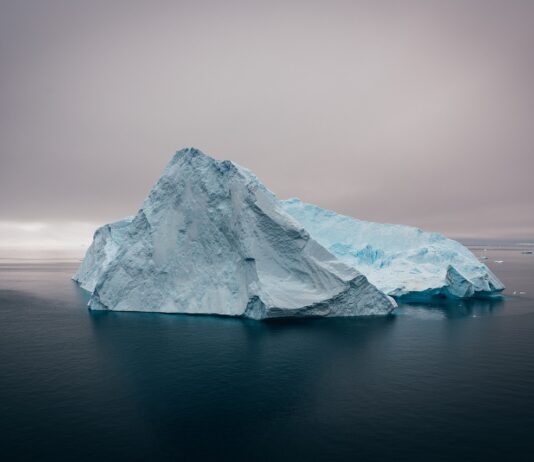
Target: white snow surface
point(402, 261)
point(211, 239)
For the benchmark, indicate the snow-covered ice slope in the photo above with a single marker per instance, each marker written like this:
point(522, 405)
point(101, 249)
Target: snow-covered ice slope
point(402, 261)
point(101, 253)
point(211, 239)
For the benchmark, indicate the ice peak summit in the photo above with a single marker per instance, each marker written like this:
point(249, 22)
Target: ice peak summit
point(197, 158)
point(190, 155)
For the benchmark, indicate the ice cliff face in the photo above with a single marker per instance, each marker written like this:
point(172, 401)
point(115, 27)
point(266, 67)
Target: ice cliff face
point(402, 261)
point(211, 239)
point(101, 253)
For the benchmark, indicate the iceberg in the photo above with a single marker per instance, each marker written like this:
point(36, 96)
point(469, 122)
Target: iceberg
point(402, 261)
point(211, 239)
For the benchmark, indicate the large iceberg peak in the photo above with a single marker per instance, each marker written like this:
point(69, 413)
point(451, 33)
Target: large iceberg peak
point(211, 239)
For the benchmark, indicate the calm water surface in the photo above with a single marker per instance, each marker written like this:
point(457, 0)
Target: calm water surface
point(433, 383)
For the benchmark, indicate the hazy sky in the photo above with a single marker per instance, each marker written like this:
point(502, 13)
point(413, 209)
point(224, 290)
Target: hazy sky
point(418, 112)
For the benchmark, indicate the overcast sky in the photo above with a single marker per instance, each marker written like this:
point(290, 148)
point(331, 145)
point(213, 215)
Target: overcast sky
point(416, 112)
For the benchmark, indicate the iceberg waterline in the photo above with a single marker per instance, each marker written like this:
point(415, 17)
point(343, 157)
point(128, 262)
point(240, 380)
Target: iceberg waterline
point(211, 239)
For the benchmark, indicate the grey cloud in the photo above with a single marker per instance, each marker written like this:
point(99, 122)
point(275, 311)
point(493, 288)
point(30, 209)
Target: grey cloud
point(419, 112)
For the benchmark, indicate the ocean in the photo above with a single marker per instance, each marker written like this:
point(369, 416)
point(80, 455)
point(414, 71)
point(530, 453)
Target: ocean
point(442, 382)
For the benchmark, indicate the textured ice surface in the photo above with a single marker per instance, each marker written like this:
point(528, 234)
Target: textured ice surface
point(402, 261)
point(211, 239)
point(101, 253)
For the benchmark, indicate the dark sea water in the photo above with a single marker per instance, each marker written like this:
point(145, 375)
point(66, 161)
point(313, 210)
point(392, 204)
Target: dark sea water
point(433, 383)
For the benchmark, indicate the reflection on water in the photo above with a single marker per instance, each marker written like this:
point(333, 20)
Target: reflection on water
point(439, 381)
point(451, 309)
